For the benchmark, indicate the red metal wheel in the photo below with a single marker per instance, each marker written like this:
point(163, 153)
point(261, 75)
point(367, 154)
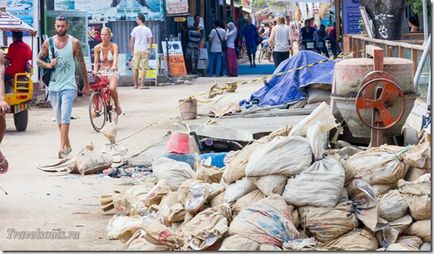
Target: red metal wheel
point(380, 92)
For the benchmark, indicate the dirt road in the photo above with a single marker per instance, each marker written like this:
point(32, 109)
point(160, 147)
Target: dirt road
point(40, 202)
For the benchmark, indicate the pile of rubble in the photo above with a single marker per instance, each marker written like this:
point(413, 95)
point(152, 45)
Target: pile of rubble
point(285, 191)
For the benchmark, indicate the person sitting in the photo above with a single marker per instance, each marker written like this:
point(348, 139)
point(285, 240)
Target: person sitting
point(18, 57)
point(106, 58)
point(413, 24)
point(306, 34)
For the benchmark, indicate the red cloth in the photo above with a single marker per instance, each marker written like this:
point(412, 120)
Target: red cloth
point(231, 62)
point(19, 53)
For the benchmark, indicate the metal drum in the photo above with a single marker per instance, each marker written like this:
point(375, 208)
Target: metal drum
point(349, 74)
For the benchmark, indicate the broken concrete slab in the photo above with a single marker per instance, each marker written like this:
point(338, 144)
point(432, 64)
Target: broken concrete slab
point(220, 132)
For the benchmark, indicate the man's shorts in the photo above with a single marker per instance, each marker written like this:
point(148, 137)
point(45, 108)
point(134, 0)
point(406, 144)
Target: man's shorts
point(61, 102)
point(140, 59)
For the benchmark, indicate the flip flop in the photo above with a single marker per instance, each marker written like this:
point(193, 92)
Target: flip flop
point(118, 110)
point(4, 165)
point(64, 153)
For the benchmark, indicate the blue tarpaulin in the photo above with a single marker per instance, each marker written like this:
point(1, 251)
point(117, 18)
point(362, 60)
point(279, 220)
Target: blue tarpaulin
point(286, 88)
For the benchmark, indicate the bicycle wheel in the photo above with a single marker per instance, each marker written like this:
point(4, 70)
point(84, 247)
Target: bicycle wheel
point(111, 114)
point(97, 111)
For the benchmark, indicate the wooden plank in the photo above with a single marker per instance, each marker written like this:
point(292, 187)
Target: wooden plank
point(401, 52)
point(390, 43)
point(378, 59)
point(338, 20)
point(414, 59)
point(347, 44)
point(389, 51)
point(370, 49)
point(356, 48)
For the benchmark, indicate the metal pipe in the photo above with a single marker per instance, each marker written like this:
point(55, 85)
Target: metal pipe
point(426, 50)
point(429, 96)
point(425, 19)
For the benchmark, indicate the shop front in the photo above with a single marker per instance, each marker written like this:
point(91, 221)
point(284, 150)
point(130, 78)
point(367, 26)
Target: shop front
point(87, 18)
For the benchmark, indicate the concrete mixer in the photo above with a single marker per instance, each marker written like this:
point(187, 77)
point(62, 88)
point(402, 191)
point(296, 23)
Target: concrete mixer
point(374, 96)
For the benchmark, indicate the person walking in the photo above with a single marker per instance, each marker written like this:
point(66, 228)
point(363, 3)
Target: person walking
point(240, 27)
point(251, 37)
point(195, 35)
point(333, 40)
point(62, 88)
point(294, 36)
point(141, 48)
point(319, 37)
point(217, 37)
point(106, 58)
point(280, 39)
point(231, 56)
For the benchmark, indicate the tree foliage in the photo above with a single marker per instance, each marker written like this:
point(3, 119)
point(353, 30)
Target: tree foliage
point(259, 3)
point(416, 5)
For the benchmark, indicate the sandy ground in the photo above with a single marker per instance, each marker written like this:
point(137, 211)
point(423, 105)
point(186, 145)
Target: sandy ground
point(40, 201)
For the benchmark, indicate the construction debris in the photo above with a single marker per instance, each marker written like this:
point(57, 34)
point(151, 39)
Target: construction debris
point(286, 191)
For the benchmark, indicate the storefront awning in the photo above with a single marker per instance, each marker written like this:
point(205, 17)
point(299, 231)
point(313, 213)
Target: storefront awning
point(9, 22)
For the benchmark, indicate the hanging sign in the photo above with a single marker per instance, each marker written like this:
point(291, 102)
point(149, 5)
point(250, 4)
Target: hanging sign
point(175, 7)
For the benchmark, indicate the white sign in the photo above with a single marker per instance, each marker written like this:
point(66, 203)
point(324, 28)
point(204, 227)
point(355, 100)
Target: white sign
point(175, 48)
point(174, 7)
point(203, 54)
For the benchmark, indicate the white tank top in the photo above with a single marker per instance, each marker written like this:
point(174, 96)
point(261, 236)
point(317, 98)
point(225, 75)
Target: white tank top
point(281, 38)
point(63, 76)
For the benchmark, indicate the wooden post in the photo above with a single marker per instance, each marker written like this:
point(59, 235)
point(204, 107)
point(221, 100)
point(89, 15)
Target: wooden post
point(401, 52)
point(338, 20)
point(377, 135)
point(378, 59)
point(225, 14)
point(356, 48)
point(216, 10)
point(389, 51)
point(233, 11)
point(414, 59)
point(347, 44)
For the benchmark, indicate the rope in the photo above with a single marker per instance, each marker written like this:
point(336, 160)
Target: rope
point(340, 56)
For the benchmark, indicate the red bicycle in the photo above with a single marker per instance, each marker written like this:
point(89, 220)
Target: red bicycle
point(101, 107)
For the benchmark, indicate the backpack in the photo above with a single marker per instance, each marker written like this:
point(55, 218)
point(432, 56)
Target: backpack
point(46, 73)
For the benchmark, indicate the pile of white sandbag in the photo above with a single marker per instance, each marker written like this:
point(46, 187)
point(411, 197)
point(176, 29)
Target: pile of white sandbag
point(286, 191)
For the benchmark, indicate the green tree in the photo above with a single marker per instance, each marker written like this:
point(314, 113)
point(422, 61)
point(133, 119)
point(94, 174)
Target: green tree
point(416, 5)
point(259, 3)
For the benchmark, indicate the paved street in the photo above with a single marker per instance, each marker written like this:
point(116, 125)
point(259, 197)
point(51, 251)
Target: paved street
point(40, 200)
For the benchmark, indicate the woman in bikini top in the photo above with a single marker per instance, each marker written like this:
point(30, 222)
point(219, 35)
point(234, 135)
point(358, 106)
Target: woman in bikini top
point(106, 58)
